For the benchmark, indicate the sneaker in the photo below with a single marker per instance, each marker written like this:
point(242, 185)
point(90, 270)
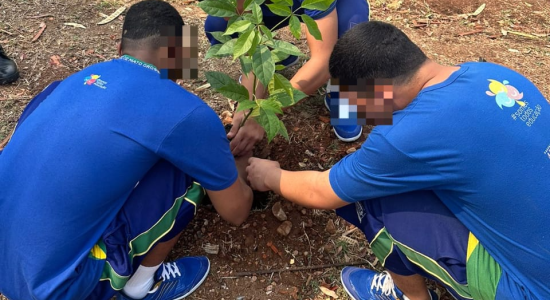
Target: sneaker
point(363, 284)
point(345, 133)
point(289, 61)
point(8, 69)
point(178, 279)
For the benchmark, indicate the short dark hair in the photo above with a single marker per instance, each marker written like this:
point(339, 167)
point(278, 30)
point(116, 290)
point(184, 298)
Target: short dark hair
point(146, 21)
point(376, 50)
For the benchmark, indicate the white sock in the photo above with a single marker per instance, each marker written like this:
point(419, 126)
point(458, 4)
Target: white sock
point(141, 282)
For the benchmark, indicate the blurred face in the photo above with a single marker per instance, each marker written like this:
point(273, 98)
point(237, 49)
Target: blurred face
point(178, 53)
point(368, 101)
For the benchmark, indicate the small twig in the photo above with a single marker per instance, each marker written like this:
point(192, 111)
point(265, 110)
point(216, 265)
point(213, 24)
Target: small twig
point(259, 272)
point(471, 32)
point(6, 32)
point(40, 16)
point(42, 28)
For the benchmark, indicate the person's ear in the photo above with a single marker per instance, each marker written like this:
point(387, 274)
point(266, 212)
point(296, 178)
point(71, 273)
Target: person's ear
point(119, 48)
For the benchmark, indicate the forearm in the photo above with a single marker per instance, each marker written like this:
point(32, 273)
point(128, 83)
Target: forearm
point(306, 188)
point(311, 76)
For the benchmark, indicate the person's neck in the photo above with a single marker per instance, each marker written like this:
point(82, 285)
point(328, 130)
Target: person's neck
point(429, 74)
point(144, 56)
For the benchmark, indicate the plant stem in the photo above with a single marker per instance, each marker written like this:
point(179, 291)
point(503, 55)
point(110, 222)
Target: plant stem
point(285, 18)
point(246, 118)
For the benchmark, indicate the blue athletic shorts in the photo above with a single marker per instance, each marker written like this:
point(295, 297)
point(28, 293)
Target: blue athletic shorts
point(415, 233)
point(161, 205)
point(350, 13)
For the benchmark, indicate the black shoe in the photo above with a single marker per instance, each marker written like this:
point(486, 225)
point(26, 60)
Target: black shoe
point(8, 69)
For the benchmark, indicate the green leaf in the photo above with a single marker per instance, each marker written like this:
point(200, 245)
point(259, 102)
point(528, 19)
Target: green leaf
point(234, 91)
point(280, 82)
point(282, 97)
point(238, 26)
point(282, 130)
point(218, 8)
point(269, 121)
point(272, 105)
point(266, 32)
point(263, 65)
point(295, 27)
point(287, 2)
point(226, 86)
point(297, 95)
point(244, 43)
point(257, 14)
point(218, 79)
point(255, 112)
point(218, 35)
point(317, 4)
point(247, 4)
point(287, 48)
point(279, 67)
point(279, 9)
point(213, 51)
point(227, 48)
point(278, 55)
point(255, 42)
point(312, 27)
point(246, 105)
point(246, 64)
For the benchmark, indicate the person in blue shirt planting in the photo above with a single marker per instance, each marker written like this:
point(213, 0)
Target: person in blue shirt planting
point(440, 193)
point(332, 23)
point(107, 167)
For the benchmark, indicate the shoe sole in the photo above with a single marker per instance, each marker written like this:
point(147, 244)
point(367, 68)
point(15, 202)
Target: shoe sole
point(345, 288)
point(198, 284)
point(348, 140)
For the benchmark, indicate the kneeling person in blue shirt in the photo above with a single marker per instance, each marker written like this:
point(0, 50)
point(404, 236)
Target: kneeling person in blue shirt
point(103, 172)
point(456, 190)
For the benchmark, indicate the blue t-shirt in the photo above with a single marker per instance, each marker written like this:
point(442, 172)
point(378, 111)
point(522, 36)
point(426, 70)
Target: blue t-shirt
point(481, 141)
point(72, 163)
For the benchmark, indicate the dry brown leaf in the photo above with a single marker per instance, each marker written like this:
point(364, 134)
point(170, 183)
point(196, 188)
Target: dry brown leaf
point(42, 28)
point(112, 16)
point(328, 292)
point(54, 61)
point(75, 25)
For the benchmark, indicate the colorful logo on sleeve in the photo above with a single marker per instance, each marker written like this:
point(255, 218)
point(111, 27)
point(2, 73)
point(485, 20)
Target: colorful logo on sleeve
point(89, 80)
point(94, 80)
point(505, 94)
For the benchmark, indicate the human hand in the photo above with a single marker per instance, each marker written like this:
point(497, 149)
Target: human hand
point(242, 163)
point(245, 138)
point(258, 170)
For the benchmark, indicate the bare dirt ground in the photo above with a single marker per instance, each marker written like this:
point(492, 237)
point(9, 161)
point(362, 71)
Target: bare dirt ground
point(509, 32)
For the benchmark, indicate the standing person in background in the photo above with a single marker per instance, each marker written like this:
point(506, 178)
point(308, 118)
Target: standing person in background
point(333, 23)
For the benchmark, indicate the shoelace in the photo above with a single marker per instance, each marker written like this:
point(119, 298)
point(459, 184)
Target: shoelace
point(170, 269)
point(384, 282)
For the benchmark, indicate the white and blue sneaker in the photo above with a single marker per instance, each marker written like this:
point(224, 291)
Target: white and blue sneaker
point(289, 61)
point(177, 280)
point(345, 133)
point(363, 284)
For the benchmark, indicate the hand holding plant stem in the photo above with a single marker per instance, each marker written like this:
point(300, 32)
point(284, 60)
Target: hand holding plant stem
point(258, 51)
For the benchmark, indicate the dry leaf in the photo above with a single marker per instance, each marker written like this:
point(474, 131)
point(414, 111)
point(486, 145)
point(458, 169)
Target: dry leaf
point(42, 28)
point(112, 16)
point(75, 25)
point(478, 10)
point(328, 292)
point(54, 61)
